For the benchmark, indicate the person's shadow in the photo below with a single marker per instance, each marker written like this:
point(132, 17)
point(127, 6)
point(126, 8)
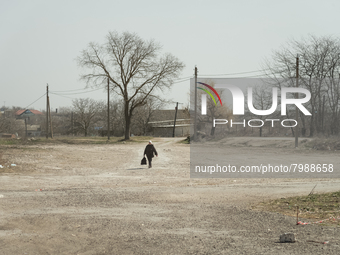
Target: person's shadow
point(136, 168)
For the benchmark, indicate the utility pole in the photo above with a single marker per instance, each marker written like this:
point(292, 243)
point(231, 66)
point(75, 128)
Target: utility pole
point(323, 113)
point(108, 108)
point(296, 108)
point(25, 127)
point(47, 111)
point(72, 123)
point(49, 114)
point(173, 133)
point(195, 120)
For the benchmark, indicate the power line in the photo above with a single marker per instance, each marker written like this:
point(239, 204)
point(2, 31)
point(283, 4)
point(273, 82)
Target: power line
point(235, 73)
point(184, 78)
point(34, 101)
point(62, 96)
point(241, 77)
point(264, 75)
point(65, 93)
point(188, 79)
point(70, 92)
point(61, 91)
point(178, 80)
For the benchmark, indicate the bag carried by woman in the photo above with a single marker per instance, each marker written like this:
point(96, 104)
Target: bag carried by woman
point(143, 162)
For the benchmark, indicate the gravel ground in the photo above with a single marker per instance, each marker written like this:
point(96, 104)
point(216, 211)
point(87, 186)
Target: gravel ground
point(97, 199)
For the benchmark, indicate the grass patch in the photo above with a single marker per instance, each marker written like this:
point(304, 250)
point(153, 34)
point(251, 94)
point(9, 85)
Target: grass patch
point(314, 207)
point(2, 162)
point(6, 141)
point(324, 144)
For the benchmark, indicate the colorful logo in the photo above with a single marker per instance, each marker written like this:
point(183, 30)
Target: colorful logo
point(238, 99)
point(208, 92)
point(204, 97)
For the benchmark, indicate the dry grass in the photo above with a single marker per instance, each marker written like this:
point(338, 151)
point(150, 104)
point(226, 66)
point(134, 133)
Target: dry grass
point(2, 161)
point(328, 144)
point(314, 206)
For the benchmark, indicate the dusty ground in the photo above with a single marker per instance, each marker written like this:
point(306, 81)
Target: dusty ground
point(97, 199)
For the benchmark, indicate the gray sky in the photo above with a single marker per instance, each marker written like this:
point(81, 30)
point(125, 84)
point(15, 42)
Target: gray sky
point(40, 39)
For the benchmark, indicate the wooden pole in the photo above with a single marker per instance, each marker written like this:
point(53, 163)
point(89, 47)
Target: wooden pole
point(49, 114)
point(108, 109)
point(323, 113)
point(26, 128)
point(296, 108)
point(72, 123)
point(173, 133)
point(195, 120)
point(47, 111)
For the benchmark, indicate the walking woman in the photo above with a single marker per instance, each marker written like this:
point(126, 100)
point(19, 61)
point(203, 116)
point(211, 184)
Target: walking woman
point(150, 151)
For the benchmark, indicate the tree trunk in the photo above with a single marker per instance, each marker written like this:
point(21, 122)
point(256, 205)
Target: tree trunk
point(311, 128)
point(212, 132)
point(303, 128)
point(127, 116)
point(127, 128)
point(290, 122)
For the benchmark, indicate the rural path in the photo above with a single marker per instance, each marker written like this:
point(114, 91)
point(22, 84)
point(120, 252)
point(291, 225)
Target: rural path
point(97, 199)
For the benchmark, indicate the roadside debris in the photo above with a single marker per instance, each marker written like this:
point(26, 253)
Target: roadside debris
point(319, 221)
point(311, 241)
point(1, 166)
point(287, 238)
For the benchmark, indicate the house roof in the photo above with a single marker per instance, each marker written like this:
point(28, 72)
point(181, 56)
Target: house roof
point(35, 112)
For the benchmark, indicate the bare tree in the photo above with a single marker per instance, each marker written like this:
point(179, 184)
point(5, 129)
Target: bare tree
point(62, 121)
point(319, 69)
point(262, 100)
point(116, 118)
point(142, 115)
point(132, 66)
point(5, 121)
point(6, 124)
point(84, 112)
point(8, 120)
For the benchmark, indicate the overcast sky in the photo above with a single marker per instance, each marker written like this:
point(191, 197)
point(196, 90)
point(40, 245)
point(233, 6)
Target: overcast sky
point(41, 39)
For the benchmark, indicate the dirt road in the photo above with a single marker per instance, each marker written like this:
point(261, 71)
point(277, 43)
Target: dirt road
point(97, 199)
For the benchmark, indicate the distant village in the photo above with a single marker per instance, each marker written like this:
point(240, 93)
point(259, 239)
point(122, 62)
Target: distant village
point(20, 123)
